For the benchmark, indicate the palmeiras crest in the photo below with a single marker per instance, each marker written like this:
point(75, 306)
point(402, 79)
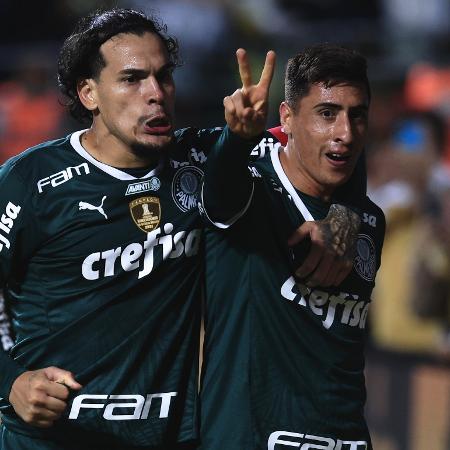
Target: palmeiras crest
point(186, 187)
point(365, 262)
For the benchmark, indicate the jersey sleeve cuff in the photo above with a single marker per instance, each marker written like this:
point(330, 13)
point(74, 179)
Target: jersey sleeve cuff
point(237, 141)
point(232, 220)
point(9, 372)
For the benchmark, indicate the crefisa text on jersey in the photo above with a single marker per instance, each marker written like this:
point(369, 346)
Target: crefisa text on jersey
point(324, 304)
point(7, 222)
point(266, 145)
point(137, 406)
point(142, 256)
point(282, 439)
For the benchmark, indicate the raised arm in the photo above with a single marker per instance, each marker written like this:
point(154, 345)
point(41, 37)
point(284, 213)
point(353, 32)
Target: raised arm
point(227, 185)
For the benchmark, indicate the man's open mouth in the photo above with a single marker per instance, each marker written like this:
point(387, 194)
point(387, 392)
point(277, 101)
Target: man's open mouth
point(158, 126)
point(338, 157)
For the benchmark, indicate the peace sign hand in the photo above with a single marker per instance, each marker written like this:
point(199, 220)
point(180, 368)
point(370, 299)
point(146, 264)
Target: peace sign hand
point(246, 110)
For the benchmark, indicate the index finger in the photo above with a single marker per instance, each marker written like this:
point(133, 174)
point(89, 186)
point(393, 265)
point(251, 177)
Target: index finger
point(57, 390)
point(244, 68)
point(268, 70)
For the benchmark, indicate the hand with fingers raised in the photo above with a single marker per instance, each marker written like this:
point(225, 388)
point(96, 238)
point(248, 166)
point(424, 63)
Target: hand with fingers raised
point(246, 109)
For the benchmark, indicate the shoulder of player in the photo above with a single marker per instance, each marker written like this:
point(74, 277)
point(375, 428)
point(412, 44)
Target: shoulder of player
point(373, 215)
point(372, 207)
point(26, 162)
point(198, 136)
point(21, 174)
point(192, 145)
point(208, 136)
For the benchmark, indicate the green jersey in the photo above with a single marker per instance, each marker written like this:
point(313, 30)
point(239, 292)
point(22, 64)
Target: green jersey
point(284, 363)
point(102, 277)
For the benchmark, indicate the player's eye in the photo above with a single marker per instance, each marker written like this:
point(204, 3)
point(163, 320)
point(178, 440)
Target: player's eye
point(131, 79)
point(327, 113)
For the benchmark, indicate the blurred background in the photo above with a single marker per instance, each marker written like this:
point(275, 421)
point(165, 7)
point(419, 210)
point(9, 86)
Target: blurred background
point(407, 44)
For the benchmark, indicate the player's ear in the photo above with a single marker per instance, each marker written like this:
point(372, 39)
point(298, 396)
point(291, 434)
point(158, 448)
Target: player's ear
point(285, 117)
point(87, 93)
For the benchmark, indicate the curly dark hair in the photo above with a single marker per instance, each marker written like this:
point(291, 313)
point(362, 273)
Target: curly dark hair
point(80, 55)
point(323, 63)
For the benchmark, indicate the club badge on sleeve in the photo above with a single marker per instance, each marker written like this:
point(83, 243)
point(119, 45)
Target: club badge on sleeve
point(365, 261)
point(186, 187)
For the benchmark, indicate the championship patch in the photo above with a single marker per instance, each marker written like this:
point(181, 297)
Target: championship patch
point(365, 260)
point(143, 186)
point(186, 187)
point(146, 212)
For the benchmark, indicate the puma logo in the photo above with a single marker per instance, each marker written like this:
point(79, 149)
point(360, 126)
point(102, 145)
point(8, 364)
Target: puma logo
point(85, 205)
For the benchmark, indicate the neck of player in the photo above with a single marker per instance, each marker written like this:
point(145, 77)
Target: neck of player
point(110, 150)
point(302, 179)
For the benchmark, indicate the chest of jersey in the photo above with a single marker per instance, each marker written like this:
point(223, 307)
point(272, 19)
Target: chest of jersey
point(272, 217)
point(108, 227)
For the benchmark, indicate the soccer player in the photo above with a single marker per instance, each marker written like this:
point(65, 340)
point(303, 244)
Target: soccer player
point(99, 254)
point(284, 362)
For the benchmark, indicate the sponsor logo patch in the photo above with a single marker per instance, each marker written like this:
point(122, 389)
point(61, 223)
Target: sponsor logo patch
point(186, 187)
point(88, 206)
point(143, 186)
point(365, 261)
point(146, 213)
point(65, 175)
point(370, 219)
point(7, 222)
point(124, 407)
point(266, 145)
point(160, 244)
point(282, 439)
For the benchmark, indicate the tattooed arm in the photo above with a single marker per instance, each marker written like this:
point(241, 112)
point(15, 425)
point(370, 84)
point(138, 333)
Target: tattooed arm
point(332, 247)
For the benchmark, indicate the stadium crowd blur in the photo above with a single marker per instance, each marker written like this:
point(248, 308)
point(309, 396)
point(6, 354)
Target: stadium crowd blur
point(407, 43)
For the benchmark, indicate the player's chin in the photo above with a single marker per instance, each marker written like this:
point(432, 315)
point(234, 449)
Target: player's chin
point(156, 142)
point(338, 179)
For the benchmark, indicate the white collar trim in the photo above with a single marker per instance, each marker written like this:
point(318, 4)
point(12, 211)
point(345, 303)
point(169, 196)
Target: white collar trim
point(275, 157)
point(116, 173)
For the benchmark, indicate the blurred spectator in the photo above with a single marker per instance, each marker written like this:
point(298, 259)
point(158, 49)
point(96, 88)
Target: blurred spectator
point(428, 87)
point(431, 266)
point(402, 175)
point(30, 112)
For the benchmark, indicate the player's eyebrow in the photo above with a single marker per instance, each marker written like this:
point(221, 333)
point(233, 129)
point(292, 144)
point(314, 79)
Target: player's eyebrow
point(362, 106)
point(136, 71)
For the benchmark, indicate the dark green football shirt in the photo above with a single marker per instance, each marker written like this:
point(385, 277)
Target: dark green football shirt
point(284, 363)
point(102, 275)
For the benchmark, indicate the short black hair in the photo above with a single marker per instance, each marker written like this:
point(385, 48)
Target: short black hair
point(325, 63)
point(80, 55)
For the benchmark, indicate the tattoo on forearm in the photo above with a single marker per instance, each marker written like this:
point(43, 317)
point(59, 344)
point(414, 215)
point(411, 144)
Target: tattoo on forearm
point(340, 230)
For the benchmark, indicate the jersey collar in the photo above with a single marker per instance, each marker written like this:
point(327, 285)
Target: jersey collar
point(276, 163)
point(112, 171)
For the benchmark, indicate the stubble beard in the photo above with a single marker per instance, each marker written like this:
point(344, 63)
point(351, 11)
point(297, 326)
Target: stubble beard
point(150, 151)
